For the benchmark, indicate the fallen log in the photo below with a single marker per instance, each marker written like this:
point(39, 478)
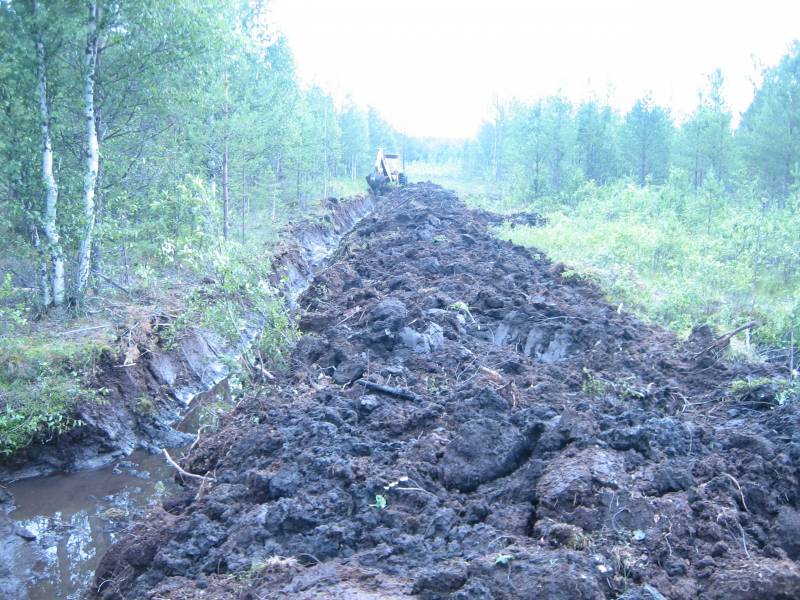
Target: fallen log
point(387, 390)
point(724, 339)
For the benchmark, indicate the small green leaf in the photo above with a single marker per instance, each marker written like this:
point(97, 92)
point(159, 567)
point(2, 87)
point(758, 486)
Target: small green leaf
point(503, 559)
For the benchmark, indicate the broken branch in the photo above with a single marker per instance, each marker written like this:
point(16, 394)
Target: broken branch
point(114, 283)
point(182, 471)
point(82, 330)
point(724, 339)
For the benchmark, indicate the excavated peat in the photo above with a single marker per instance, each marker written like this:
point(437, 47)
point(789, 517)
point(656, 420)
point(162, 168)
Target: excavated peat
point(460, 421)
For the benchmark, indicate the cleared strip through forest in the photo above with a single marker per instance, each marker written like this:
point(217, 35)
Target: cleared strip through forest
point(461, 421)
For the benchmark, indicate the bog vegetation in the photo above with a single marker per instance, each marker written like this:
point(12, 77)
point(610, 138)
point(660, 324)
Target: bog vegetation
point(688, 222)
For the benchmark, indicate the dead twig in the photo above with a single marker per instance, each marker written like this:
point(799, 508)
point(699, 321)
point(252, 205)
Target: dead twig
point(182, 471)
point(82, 330)
point(311, 556)
point(741, 493)
point(196, 439)
point(725, 516)
point(350, 313)
point(114, 283)
point(493, 375)
point(744, 539)
point(616, 514)
point(560, 317)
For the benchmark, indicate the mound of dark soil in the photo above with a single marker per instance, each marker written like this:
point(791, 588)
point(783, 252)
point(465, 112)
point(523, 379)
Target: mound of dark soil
point(460, 421)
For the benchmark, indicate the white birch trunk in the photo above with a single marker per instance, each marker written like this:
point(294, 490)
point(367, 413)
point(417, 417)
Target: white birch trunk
point(42, 275)
point(42, 270)
point(49, 180)
point(244, 202)
point(275, 187)
point(325, 138)
point(92, 154)
point(97, 247)
point(225, 182)
point(225, 189)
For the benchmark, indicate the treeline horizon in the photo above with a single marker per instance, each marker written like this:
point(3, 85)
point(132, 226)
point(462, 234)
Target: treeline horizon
point(551, 146)
point(687, 223)
point(131, 131)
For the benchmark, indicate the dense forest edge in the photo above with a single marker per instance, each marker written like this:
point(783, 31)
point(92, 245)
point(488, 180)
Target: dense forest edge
point(152, 154)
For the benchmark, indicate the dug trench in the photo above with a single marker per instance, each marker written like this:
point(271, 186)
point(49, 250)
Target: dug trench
point(72, 494)
point(170, 375)
point(461, 420)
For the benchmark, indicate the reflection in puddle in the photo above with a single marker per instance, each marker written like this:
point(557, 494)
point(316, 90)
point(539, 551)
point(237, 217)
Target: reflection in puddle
point(77, 516)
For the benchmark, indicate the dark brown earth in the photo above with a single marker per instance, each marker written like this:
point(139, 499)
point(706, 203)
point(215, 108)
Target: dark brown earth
point(460, 421)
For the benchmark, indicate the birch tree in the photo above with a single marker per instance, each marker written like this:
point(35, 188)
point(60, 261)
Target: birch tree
point(355, 139)
point(226, 187)
point(48, 178)
point(20, 144)
point(72, 183)
point(92, 152)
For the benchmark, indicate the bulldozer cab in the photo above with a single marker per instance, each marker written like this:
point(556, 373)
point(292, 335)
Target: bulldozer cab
point(388, 170)
point(389, 165)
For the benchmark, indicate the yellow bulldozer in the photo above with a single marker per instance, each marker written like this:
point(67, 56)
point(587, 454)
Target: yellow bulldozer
point(388, 171)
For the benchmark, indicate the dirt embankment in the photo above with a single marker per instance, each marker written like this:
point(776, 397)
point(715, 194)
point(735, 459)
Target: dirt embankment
point(146, 387)
point(463, 422)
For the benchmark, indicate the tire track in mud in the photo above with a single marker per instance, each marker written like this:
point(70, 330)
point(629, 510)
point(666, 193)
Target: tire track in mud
point(461, 421)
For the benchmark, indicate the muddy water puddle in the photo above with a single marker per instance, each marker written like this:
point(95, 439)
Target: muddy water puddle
point(75, 517)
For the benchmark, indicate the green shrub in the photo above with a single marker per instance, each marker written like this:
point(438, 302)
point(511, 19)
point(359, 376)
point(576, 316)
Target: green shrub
point(41, 381)
point(592, 385)
point(680, 257)
point(12, 309)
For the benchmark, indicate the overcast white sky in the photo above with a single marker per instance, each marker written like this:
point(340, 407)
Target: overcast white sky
point(432, 67)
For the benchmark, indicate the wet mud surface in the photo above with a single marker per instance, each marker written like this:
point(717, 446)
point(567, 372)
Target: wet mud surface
point(59, 526)
point(460, 421)
point(63, 524)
